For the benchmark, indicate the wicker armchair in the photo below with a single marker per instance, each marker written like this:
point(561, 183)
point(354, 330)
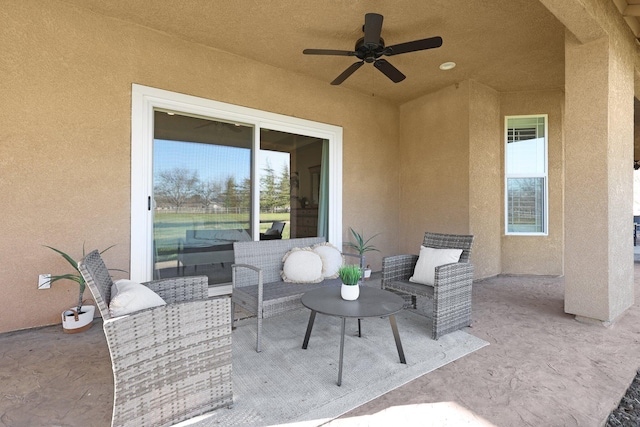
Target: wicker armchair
point(170, 363)
point(451, 292)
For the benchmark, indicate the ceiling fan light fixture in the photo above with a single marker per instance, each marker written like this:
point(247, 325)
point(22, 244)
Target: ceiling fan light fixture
point(447, 65)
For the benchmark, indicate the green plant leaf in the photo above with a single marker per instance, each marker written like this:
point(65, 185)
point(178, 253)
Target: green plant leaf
point(73, 277)
point(350, 274)
point(70, 260)
point(361, 245)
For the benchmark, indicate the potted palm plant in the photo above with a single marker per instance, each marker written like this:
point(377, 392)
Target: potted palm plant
point(350, 276)
point(79, 318)
point(362, 245)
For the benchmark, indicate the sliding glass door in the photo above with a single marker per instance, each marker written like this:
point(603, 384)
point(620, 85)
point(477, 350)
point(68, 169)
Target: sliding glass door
point(201, 194)
point(202, 186)
point(290, 196)
point(205, 174)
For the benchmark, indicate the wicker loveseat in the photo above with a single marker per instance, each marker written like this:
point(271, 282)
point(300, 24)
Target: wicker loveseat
point(257, 284)
point(171, 362)
point(451, 291)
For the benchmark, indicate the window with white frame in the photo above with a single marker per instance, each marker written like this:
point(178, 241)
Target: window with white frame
point(526, 206)
point(260, 134)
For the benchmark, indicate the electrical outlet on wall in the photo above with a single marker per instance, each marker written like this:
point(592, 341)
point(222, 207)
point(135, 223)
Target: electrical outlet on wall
point(44, 281)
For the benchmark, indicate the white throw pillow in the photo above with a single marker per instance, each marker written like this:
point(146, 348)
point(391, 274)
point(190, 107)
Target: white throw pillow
point(331, 259)
point(302, 265)
point(128, 297)
point(429, 259)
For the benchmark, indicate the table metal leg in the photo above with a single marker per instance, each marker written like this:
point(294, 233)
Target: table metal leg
point(312, 318)
point(396, 336)
point(344, 320)
point(359, 329)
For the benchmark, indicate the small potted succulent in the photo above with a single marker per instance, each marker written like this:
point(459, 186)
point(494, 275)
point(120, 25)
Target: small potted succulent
point(361, 246)
point(350, 276)
point(79, 318)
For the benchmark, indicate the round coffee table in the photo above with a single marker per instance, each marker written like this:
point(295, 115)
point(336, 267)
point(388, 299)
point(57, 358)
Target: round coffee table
point(372, 302)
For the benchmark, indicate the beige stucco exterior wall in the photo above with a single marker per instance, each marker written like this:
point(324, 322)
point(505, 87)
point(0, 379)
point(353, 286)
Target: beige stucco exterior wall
point(434, 166)
point(448, 140)
point(65, 152)
point(465, 123)
point(65, 139)
point(542, 255)
point(485, 179)
point(598, 196)
point(599, 264)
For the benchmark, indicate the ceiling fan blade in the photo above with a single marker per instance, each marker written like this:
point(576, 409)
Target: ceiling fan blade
point(328, 52)
point(389, 70)
point(372, 28)
point(346, 73)
point(413, 46)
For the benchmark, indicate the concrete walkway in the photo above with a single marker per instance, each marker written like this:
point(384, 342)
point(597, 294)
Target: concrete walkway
point(542, 368)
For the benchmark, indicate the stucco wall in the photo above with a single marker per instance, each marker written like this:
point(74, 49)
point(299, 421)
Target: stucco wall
point(65, 139)
point(485, 179)
point(439, 133)
point(434, 166)
point(538, 254)
point(599, 274)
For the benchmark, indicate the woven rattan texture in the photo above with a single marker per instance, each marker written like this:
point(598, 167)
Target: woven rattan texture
point(257, 284)
point(451, 292)
point(266, 255)
point(170, 363)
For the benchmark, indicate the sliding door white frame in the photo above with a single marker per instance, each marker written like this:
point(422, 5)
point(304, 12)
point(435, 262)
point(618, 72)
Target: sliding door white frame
point(144, 100)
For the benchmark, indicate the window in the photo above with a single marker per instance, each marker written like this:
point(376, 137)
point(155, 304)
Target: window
point(202, 192)
point(205, 172)
point(526, 207)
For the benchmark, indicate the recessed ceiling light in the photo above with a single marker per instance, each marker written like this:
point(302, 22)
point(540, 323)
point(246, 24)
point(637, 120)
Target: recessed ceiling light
point(447, 65)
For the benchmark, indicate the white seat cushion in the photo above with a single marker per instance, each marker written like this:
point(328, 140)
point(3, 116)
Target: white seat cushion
point(429, 259)
point(302, 265)
point(128, 297)
point(331, 259)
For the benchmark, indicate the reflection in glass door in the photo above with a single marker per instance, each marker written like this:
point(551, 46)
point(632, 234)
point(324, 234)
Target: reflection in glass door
point(292, 201)
point(220, 128)
point(201, 195)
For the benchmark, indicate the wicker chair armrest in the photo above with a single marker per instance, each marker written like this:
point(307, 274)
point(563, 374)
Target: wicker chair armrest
point(453, 275)
point(178, 289)
point(234, 269)
point(163, 351)
point(398, 267)
point(250, 267)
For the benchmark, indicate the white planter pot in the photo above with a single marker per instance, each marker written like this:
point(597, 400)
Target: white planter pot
point(350, 292)
point(73, 322)
point(367, 273)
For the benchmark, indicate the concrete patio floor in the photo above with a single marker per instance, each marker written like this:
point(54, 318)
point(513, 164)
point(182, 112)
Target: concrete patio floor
point(542, 368)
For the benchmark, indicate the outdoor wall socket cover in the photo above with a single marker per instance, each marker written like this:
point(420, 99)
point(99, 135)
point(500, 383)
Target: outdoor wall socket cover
point(44, 281)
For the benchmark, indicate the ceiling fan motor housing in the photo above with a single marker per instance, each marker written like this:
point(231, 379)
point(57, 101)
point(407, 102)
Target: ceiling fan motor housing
point(369, 52)
point(371, 47)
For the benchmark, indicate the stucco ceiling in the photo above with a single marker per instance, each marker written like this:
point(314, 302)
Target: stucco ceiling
point(630, 10)
point(509, 45)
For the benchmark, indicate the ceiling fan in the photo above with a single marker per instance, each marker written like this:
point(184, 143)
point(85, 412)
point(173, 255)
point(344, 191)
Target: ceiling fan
point(371, 47)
